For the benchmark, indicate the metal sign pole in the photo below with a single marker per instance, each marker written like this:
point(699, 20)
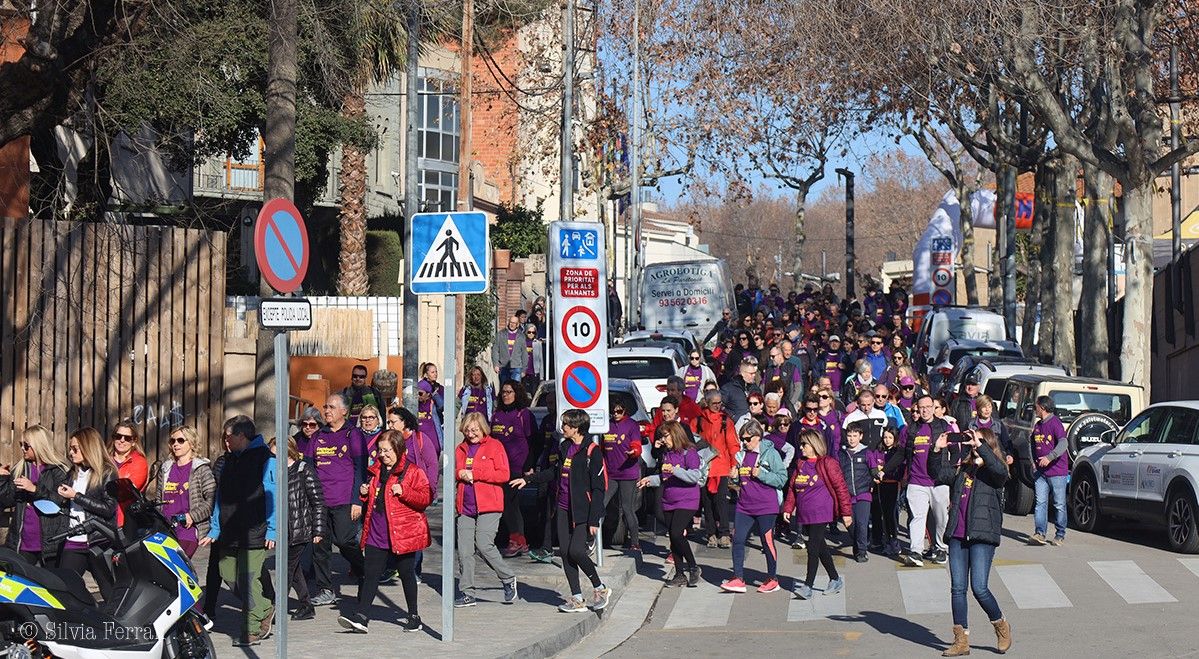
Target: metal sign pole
point(449, 443)
point(282, 432)
point(599, 533)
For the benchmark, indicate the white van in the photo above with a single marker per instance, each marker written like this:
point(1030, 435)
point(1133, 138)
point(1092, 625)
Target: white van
point(685, 295)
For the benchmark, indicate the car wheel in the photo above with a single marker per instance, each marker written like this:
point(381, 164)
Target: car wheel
point(1181, 522)
point(1021, 497)
point(1084, 503)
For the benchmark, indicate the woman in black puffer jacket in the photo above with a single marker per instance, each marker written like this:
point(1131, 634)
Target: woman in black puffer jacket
point(305, 522)
point(974, 528)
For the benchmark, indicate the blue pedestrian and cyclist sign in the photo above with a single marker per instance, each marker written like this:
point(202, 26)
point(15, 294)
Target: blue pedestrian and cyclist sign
point(450, 254)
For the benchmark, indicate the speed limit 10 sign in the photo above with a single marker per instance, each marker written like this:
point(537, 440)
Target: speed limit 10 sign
point(579, 285)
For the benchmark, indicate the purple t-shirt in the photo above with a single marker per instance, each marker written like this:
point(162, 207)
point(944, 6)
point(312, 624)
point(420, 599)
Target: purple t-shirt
point(1044, 437)
point(334, 452)
point(513, 336)
point(617, 442)
point(425, 414)
point(175, 499)
point(31, 526)
point(693, 379)
point(513, 428)
point(476, 400)
point(530, 367)
point(756, 498)
point(564, 475)
point(833, 420)
point(376, 535)
point(676, 493)
point(470, 506)
point(813, 501)
point(959, 531)
point(921, 441)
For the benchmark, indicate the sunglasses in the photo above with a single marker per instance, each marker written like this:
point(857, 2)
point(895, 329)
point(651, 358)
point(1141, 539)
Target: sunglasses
point(695, 358)
point(310, 424)
point(755, 402)
point(909, 386)
point(369, 417)
point(618, 411)
point(784, 422)
point(122, 438)
point(749, 438)
point(811, 409)
point(825, 396)
point(881, 396)
point(530, 333)
point(26, 446)
point(178, 440)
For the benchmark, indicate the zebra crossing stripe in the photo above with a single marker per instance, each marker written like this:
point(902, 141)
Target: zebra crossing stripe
point(821, 606)
point(1130, 582)
point(1191, 564)
point(705, 606)
point(1032, 588)
point(924, 591)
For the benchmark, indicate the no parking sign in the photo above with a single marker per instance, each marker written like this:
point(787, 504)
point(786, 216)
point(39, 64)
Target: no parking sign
point(579, 286)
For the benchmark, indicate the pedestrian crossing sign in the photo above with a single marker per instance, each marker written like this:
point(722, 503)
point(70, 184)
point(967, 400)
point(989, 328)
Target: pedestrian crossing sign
point(451, 254)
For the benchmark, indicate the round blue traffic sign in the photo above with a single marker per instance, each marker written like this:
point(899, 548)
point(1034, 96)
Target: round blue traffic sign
point(581, 384)
point(281, 245)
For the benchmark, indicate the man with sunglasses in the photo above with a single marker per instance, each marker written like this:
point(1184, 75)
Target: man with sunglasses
point(883, 401)
point(359, 394)
point(782, 373)
point(876, 355)
point(868, 418)
point(694, 375)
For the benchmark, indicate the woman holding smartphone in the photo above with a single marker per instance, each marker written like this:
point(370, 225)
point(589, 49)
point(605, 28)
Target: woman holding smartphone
point(975, 526)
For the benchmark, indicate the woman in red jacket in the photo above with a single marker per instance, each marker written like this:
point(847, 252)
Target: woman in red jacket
point(481, 465)
point(715, 427)
point(394, 524)
point(816, 495)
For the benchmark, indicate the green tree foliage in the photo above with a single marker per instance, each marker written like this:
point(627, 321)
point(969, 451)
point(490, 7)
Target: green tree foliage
point(383, 254)
point(480, 325)
point(521, 230)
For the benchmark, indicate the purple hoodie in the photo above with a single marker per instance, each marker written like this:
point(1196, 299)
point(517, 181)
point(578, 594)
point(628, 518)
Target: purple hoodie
point(514, 428)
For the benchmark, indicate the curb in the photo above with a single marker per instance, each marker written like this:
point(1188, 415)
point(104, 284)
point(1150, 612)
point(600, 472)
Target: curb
point(551, 644)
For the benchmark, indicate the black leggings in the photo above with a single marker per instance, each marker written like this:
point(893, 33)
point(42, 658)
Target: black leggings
point(818, 552)
point(298, 582)
point(573, 541)
point(716, 508)
point(884, 512)
point(513, 518)
point(374, 561)
point(78, 560)
point(677, 523)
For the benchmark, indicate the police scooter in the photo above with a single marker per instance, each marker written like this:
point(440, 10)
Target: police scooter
point(48, 612)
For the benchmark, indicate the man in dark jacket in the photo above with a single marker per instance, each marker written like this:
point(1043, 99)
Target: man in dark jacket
point(243, 521)
point(965, 404)
point(924, 494)
point(737, 390)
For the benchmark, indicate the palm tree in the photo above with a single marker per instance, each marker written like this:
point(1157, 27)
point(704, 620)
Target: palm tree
point(379, 42)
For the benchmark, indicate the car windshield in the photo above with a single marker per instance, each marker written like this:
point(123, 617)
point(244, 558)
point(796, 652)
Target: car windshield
point(956, 355)
point(640, 368)
point(974, 328)
point(1070, 404)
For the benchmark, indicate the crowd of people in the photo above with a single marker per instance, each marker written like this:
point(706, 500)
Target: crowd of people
point(806, 417)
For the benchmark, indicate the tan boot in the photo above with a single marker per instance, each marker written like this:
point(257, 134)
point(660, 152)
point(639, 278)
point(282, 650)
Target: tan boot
point(1003, 632)
point(961, 643)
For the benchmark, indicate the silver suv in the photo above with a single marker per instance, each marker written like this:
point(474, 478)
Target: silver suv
point(942, 324)
point(1148, 470)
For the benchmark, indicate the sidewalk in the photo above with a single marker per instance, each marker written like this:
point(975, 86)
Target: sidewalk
point(532, 627)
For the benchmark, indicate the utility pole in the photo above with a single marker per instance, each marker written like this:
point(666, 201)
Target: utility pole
point(412, 102)
point(1007, 252)
point(566, 209)
point(635, 171)
point(849, 248)
point(466, 187)
point(1176, 169)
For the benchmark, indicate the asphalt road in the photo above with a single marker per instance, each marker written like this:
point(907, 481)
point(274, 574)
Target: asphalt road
point(1114, 595)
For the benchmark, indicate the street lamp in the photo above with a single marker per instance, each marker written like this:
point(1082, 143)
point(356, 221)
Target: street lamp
point(849, 272)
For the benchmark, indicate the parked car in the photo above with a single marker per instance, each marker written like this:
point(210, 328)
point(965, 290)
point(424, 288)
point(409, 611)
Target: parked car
point(1080, 402)
point(685, 339)
point(944, 323)
point(623, 391)
point(954, 350)
point(647, 366)
point(993, 373)
point(1148, 471)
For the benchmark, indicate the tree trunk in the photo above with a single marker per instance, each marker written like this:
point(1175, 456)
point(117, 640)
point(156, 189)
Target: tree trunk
point(967, 223)
point(1064, 230)
point(279, 140)
point(801, 203)
point(1032, 281)
point(1092, 304)
point(351, 260)
point(1138, 285)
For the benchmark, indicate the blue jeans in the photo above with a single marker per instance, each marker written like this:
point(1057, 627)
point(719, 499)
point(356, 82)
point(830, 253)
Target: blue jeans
point(1041, 511)
point(509, 373)
point(971, 562)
